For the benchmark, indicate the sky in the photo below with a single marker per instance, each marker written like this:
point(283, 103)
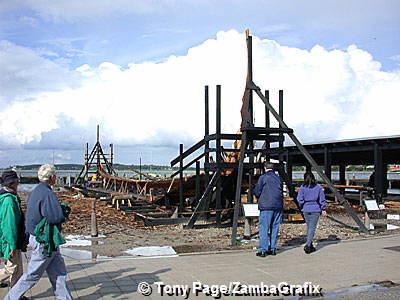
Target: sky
point(138, 69)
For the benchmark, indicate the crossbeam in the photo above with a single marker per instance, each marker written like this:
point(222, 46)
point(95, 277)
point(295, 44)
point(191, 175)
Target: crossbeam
point(202, 200)
point(188, 152)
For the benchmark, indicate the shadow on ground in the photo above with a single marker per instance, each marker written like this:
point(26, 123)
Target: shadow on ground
point(110, 284)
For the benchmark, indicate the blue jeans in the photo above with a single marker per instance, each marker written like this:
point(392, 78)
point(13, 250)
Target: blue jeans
point(269, 227)
point(312, 221)
point(38, 264)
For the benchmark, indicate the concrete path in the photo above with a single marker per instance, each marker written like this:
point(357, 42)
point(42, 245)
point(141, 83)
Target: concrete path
point(334, 266)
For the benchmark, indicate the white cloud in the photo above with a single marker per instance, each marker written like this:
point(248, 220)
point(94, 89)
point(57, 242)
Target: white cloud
point(32, 22)
point(396, 58)
point(24, 74)
point(327, 95)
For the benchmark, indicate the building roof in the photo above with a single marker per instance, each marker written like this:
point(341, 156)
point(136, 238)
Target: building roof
point(350, 152)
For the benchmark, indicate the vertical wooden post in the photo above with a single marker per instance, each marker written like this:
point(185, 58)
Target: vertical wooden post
point(197, 181)
point(111, 155)
point(180, 177)
point(342, 177)
point(328, 162)
point(86, 160)
point(246, 122)
point(249, 121)
point(280, 126)
point(367, 220)
point(93, 223)
point(267, 118)
point(289, 166)
point(237, 205)
point(140, 168)
point(342, 174)
point(218, 156)
point(380, 172)
point(250, 76)
point(206, 134)
point(384, 180)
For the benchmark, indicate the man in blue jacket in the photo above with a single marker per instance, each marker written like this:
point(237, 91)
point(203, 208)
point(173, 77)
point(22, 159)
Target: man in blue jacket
point(43, 203)
point(270, 204)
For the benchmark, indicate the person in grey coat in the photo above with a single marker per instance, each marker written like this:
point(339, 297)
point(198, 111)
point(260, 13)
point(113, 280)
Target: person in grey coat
point(43, 203)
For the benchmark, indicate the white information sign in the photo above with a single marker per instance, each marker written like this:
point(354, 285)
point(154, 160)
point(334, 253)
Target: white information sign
point(393, 217)
point(371, 205)
point(251, 210)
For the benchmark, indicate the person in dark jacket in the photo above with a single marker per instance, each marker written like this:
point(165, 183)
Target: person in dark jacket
point(270, 204)
point(12, 229)
point(43, 203)
point(311, 199)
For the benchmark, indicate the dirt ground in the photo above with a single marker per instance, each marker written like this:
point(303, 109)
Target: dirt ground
point(123, 232)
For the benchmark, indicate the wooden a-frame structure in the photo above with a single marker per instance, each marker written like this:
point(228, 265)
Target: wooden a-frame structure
point(247, 144)
point(246, 137)
point(94, 161)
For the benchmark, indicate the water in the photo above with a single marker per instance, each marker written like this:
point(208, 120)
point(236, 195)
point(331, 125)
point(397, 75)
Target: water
point(121, 173)
point(167, 173)
point(26, 187)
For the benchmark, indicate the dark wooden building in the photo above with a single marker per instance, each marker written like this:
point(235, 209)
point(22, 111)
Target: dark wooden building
point(376, 151)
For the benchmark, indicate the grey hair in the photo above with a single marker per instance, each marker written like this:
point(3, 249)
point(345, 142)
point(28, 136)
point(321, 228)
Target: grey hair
point(45, 172)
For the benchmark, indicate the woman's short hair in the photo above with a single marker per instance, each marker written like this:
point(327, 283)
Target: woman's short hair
point(309, 179)
point(45, 172)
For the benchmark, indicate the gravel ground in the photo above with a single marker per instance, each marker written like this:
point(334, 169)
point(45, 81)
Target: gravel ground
point(123, 232)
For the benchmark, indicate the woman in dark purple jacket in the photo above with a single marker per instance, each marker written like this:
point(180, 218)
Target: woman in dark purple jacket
point(311, 199)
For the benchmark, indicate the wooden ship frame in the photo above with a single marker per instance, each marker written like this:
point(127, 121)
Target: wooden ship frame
point(217, 191)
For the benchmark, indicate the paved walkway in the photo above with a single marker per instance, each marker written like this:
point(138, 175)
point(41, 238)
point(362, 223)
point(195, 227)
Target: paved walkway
point(334, 266)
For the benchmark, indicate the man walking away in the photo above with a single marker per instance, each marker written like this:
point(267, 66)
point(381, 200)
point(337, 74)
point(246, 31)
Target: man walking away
point(43, 203)
point(270, 204)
